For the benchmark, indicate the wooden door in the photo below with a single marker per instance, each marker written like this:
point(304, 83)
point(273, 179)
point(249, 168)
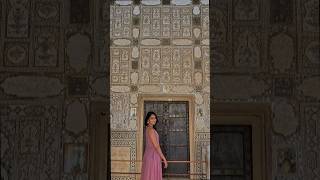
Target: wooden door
point(173, 130)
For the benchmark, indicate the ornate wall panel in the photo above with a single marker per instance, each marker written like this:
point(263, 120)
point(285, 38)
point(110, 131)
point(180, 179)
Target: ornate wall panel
point(120, 60)
point(47, 12)
point(47, 49)
point(120, 109)
point(127, 141)
point(18, 10)
point(311, 147)
point(310, 15)
point(202, 142)
point(268, 49)
point(158, 47)
point(274, 57)
point(36, 46)
point(31, 133)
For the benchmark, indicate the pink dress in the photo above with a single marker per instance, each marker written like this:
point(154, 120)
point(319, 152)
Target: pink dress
point(151, 163)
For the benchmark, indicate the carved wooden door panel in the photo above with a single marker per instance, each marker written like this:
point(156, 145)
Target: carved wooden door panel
point(173, 130)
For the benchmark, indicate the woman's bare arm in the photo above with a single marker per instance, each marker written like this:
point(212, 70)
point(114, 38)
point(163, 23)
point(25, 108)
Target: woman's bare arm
point(155, 143)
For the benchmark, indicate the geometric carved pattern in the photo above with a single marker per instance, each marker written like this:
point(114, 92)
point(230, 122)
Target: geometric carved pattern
point(202, 136)
point(201, 147)
point(35, 131)
point(246, 48)
point(311, 141)
point(166, 65)
point(120, 111)
point(18, 19)
point(206, 65)
point(310, 60)
point(122, 178)
point(126, 139)
point(120, 68)
point(205, 21)
point(32, 31)
point(150, 65)
point(16, 54)
point(120, 22)
point(121, 135)
point(151, 22)
point(30, 135)
point(166, 22)
point(200, 166)
point(310, 15)
point(47, 13)
point(281, 52)
point(46, 53)
point(77, 86)
point(283, 86)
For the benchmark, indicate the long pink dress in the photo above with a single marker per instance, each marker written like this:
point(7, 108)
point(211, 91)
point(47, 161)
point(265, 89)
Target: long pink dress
point(151, 163)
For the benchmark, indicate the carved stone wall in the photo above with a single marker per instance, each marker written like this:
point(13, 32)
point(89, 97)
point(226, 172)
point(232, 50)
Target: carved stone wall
point(54, 60)
point(52, 67)
point(269, 51)
point(158, 48)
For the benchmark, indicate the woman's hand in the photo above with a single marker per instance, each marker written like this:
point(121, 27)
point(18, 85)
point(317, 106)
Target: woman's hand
point(165, 163)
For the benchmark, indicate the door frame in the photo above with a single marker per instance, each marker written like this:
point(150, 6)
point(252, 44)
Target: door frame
point(99, 148)
point(258, 115)
point(140, 123)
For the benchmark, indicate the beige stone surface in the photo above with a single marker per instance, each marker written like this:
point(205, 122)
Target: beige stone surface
point(150, 42)
point(120, 153)
point(122, 42)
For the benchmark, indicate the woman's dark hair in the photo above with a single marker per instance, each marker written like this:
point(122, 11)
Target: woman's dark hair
point(147, 118)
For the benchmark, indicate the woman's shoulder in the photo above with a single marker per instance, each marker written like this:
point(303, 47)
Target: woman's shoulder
point(150, 129)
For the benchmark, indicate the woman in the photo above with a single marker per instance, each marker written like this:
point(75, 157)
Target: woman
point(151, 163)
